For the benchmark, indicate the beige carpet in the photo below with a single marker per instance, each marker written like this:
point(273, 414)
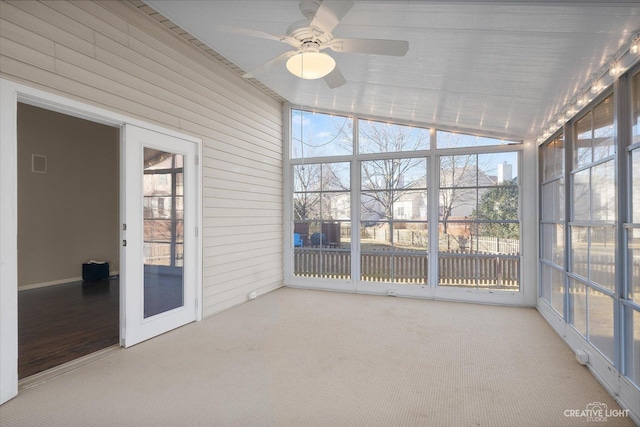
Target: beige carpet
point(311, 358)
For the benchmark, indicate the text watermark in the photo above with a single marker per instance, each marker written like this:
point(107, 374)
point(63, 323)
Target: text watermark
point(596, 412)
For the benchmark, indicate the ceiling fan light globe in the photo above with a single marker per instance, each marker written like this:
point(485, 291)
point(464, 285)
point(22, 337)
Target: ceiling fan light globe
point(311, 65)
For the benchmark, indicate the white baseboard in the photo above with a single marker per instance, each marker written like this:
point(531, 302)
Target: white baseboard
point(58, 282)
point(52, 283)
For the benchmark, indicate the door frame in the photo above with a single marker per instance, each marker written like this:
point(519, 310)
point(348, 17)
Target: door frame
point(10, 94)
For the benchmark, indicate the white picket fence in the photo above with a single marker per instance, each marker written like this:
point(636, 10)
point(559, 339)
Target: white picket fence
point(486, 245)
point(495, 245)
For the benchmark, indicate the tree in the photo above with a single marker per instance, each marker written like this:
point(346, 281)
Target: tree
point(306, 200)
point(457, 174)
point(383, 184)
point(385, 181)
point(378, 137)
point(458, 177)
point(499, 204)
point(311, 181)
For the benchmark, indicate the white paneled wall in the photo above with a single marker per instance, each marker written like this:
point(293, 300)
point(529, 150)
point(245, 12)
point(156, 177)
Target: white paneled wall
point(114, 56)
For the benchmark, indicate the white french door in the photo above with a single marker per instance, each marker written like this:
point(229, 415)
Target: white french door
point(159, 234)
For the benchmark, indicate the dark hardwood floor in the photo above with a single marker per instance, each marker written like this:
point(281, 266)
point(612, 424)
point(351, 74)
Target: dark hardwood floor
point(58, 324)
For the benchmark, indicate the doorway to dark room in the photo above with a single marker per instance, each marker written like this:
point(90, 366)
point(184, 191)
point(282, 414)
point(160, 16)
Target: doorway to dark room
point(68, 231)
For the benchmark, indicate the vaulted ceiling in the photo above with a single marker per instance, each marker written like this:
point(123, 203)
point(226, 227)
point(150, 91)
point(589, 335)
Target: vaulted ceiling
point(501, 68)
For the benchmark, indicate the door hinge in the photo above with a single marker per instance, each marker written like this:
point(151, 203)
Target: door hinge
point(124, 227)
point(197, 231)
point(124, 243)
point(197, 159)
point(196, 303)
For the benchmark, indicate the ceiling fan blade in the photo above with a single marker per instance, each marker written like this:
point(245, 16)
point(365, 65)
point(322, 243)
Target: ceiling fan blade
point(261, 34)
point(330, 13)
point(371, 46)
point(334, 79)
point(269, 64)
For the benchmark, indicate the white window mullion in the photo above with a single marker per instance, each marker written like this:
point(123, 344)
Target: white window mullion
point(287, 171)
point(355, 208)
point(433, 188)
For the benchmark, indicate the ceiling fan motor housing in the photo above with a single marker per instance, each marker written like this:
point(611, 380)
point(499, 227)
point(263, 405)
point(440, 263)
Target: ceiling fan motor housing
point(307, 35)
point(309, 8)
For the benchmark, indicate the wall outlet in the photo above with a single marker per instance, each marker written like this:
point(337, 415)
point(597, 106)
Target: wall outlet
point(253, 295)
point(392, 292)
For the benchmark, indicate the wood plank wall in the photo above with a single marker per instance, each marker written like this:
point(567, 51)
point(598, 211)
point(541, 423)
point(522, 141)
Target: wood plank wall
point(114, 56)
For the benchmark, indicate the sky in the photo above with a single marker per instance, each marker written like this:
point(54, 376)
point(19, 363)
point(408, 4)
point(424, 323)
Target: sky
point(322, 137)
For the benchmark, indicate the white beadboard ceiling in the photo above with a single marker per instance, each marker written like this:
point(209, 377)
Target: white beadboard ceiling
point(494, 67)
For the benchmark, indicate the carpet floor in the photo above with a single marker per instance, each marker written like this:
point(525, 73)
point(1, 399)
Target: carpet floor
point(310, 358)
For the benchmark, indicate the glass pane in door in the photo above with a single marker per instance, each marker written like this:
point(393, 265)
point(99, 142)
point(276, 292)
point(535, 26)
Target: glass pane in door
point(163, 231)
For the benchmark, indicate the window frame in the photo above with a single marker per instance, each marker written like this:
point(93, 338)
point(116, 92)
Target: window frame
point(173, 171)
point(616, 368)
point(561, 307)
point(431, 288)
point(590, 224)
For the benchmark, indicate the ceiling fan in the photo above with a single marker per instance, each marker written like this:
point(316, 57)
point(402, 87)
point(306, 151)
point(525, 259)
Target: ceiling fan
point(310, 36)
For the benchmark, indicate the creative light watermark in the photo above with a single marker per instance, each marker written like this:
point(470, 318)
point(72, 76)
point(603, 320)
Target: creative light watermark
point(596, 412)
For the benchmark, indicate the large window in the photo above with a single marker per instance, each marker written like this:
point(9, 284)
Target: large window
point(590, 255)
point(479, 229)
point(390, 203)
point(552, 237)
point(320, 135)
point(458, 140)
point(378, 137)
point(592, 228)
point(322, 214)
point(631, 300)
point(393, 220)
